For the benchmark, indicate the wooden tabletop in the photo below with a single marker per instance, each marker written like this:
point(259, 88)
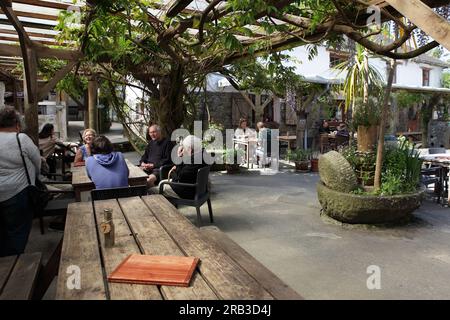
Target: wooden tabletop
point(80, 177)
point(151, 225)
point(286, 138)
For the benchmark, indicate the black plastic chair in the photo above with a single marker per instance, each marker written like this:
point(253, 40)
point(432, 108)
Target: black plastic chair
point(201, 194)
point(115, 193)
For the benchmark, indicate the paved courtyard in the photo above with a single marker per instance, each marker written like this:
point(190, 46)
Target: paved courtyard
point(277, 220)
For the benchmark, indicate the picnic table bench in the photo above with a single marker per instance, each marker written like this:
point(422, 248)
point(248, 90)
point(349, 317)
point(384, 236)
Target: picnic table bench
point(18, 276)
point(151, 225)
point(81, 181)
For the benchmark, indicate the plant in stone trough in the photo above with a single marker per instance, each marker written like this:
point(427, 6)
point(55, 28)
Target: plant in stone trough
point(401, 169)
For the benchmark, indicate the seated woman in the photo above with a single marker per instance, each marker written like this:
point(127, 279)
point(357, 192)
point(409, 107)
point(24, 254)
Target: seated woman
point(85, 150)
point(48, 143)
point(107, 169)
point(325, 127)
point(186, 172)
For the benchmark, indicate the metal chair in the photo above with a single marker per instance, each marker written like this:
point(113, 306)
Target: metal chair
point(201, 194)
point(115, 193)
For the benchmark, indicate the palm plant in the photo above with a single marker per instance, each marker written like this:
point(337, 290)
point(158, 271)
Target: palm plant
point(361, 78)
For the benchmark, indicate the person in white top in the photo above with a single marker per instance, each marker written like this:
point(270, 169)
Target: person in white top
point(246, 133)
point(16, 210)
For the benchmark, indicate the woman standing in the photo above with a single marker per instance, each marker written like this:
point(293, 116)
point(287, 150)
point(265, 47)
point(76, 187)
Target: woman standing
point(16, 210)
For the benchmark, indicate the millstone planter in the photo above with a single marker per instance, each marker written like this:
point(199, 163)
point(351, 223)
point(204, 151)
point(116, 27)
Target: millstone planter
point(367, 209)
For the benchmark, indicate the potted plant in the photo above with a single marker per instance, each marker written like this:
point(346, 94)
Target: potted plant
point(315, 161)
point(301, 159)
point(230, 159)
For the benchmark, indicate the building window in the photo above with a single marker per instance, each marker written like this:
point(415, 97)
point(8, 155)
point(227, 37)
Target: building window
point(426, 77)
point(337, 58)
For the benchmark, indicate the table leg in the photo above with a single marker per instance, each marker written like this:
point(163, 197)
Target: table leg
point(77, 194)
point(248, 155)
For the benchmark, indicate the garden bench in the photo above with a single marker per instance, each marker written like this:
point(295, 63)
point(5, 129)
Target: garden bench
point(18, 276)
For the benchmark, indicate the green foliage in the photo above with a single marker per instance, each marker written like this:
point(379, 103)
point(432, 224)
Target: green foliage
point(446, 80)
point(401, 169)
point(299, 155)
point(268, 73)
point(232, 155)
point(357, 77)
point(406, 99)
point(368, 113)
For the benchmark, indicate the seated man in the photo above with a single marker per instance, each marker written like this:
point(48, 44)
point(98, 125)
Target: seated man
point(185, 172)
point(157, 154)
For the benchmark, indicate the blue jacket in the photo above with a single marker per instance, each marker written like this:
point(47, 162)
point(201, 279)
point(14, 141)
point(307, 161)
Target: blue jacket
point(107, 170)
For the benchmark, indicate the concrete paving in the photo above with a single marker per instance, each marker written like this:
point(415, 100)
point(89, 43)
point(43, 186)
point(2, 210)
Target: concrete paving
point(277, 220)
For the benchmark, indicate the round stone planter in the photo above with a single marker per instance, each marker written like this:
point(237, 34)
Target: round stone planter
point(366, 209)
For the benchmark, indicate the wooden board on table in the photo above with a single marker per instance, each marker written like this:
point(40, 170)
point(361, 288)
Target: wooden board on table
point(124, 246)
point(229, 280)
point(160, 270)
point(153, 239)
point(80, 257)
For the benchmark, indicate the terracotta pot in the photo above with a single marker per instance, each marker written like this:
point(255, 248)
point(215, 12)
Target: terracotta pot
point(367, 138)
point(315, 165)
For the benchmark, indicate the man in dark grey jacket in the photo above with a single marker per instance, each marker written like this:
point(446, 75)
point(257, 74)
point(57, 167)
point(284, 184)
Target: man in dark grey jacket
point(157, 154)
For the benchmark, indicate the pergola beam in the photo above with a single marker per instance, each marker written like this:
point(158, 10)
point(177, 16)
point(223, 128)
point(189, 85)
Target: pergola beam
point(34, 15)
point(15, 39)
point(425, 18)
point(46, 4)
point(61, 73)
point(31, 34)
point(43, 52)
point(28, 24)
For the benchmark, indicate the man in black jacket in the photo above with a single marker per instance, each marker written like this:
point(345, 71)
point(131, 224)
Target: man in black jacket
point(157, 154)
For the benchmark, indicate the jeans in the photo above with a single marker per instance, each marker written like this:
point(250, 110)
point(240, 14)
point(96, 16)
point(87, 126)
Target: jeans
point(16, 216)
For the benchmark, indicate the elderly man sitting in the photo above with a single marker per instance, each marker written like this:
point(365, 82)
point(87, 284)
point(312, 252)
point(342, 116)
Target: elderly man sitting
point(157, 154)
point(191, 153)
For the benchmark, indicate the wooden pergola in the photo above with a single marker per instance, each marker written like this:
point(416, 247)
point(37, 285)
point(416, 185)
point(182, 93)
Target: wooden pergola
point(27, 34)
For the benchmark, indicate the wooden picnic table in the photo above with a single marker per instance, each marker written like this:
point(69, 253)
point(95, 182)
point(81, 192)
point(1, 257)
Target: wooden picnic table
point(412, 136)
point(151, 225)
point(81, 181)
point(289, 139)
point(18, 276)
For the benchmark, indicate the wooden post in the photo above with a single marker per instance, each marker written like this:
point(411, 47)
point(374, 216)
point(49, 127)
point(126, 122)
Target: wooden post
point(92, 103)
point(425, 18)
